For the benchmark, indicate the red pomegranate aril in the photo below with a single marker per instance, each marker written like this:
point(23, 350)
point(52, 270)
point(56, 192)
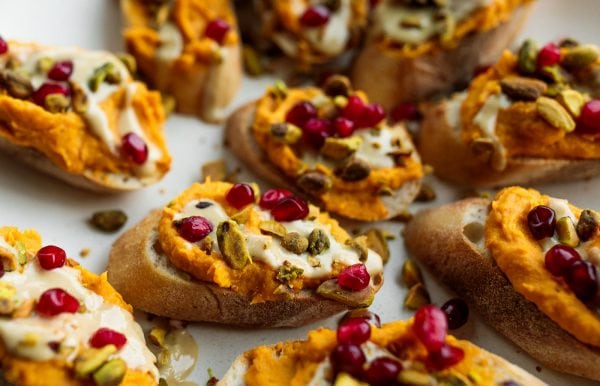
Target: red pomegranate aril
point(354, 109)
point(582, 279)
point(39, 96)
point(354, 278)
point(194, 228)
point(290, 209)
point(541, 221)
point(271, 197)
point(315, 16)
point(383, 371)
point(343, 127)
point(431, 326)
point(300, 113)
point(549, 55)
point(404, 112)
point(134, 147)
point(362, 313)
point(457, 313)
point(240, 195)
point(560, 258)
point(355, 331)
point(105, 336)
point(217, 30)
point(372, 114)
point(316, 131)
point(3, 46)
point(51, 257)
point(56, 301)
point(589, 119)
point(61, 71)
point(348, 358)
point(445, 357)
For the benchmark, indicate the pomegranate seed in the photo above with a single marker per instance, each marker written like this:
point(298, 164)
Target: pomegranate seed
point(581, 278)
point(61, 70)
point(541, 221)
point(354, 109)
point(240, 195)
point(560, 258)
point(372, 114)
point(315, 16)
point(549, 55)
point(343, 127)
point(217, 30)
point(356, 331)
point(383, 371)
point(271, 197)
point(316, 131)
point(3, 46)
point(39, 96)
point(362, 313)
point(348, 358)
point(589, 119)
point(56, 301)
point(300, 113)
point(354, 278)
point(445, 357)
point(457, 313)
point(105, 336)
point(290, 209)
point(194, 228)
point(431, 327)
point(51, 257)
point(134, 147)
point(404, 112)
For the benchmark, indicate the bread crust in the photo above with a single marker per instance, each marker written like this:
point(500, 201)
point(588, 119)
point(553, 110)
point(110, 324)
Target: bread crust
point(146, 280)
point(392, 79)
point(436, 238)
point(440, 145)
point(241, 142)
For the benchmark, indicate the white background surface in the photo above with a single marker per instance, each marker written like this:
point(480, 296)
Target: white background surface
point(59, 212)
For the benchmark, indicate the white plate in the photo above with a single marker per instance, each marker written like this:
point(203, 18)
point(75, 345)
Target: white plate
point(59, 212)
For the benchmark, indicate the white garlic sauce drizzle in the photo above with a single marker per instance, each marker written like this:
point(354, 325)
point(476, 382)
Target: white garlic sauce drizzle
point(332, 38)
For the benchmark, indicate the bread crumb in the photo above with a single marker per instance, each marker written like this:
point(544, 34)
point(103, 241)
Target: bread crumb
point(84, 252)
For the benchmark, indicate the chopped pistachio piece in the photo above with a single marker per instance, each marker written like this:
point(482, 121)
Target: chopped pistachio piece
point(426, 193)
point(523, 89)
point(105, 73)
point(527, 57)
point(21, 252)
point(580, 56)
point(109, 220)
point(345, 379)
point(417, 297)
point(18, 85)
point(44, 64)
point(24, 309)
point(377, 241)
point(567, 234)
point(129, 61)
point(56, 103)
point(318, 242)
point(157, 336)
point(232, 244)
point(272, 227)
point(587, 226)
point(555, 114)
point(354, 170)
point(79, 101)
point(286, 133)
point(330, 289)
point(314, 183)
point(288, 272)
point(294, 243)
point(252, 61)
point(337, 85)
point(415, 378)
point(91, 359)
point(361, 245)
point(572, 101)
point(340, 148)
point(279, 89)
point(111, 373)
point(411, 274)
point(243, 215)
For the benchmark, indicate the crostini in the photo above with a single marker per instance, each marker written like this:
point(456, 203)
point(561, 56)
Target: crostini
point(330, 144)
point(531, 118)
point(188, 49)
point(63, 325)
point(363, 353)
point(527, 263)
point(420, 49)
point(79, 116)
point(223, 253)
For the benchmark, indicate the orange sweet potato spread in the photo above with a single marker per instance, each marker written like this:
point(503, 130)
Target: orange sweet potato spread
point(522, 131)
point(521, 258)
point(347, 198)
point(257, 279)
point(25, 372)
point(294, 363)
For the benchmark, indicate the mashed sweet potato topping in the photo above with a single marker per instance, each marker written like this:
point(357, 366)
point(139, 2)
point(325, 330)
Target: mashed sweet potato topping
point(521, 258)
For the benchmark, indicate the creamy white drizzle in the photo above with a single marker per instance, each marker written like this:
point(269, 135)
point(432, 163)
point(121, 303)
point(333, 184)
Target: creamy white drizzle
point(268, 249)
point(332, 38)
point(171, 42)
point(488, 113)
point(9, 248)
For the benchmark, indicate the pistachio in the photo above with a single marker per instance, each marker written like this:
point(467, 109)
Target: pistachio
point(288, 272)
point(169, 103)
point(13, 63)
point(279, 89)
point(252, 62)
point(417, 297)
point(105, 73)
point(523, 89)
point(90, 360)
point(376, 240)
point(426, 193)
point(271, 227)
point(56, 103)
point(129, 61)
point(160, 14)
point(314, 183)
point(340, 148)
point(555, 114)
point(206, 245)
point(286, 133)
point(415, 378)
point(345, 379)
point(354, 170)
point(568, 43)
point(411, 21)
point(294, 243)
point(232, 244)
point(330, 289)
point(7, 298)
point(314, 262)
point(572, 101)
point(157, 336)
point(243, 215)
point(337, 85)
point(18, 85)
point(587, 226)
point(215, 170)
point(360, 244)
point(553, 74)
point(527, 57)
point(21, 252)
point(411, 274)
point(580, 56)
point(108, 220)
point(79, 101)
point(474, 377)
point(44, 64)
point(318, 242)
point(30, 339)
point(340, 101)
point(449, 27)
point(111, 373)
point(555, 88)
point(163, 382)
point(24, 309)
point(451, 380)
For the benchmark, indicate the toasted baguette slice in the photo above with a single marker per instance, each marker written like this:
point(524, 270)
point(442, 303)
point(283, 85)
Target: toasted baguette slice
point(173, 53)
point(456, 255)
point(391, 78)
point(322, 341)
